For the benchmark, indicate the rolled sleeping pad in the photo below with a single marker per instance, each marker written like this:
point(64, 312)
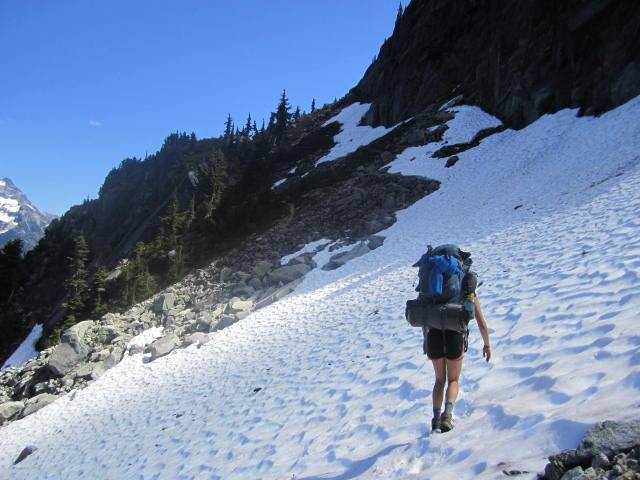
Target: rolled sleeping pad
point(446, 316)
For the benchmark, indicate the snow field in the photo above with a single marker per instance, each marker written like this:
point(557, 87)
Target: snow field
point(26, 350)
point(352, 136)
point(344, 390)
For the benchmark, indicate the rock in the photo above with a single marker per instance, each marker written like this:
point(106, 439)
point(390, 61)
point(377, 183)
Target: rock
point(164, 303)
point(255, 283)
point(288, 273)
point(197, 338)
point(36, 403)
point(90, 371)
point(225, 321)
point(600, 460)
point(39, 388)
point(242, 291)
point(340, 259)
point(26, 451)
point(65, 357)
point(9, 409)
point(609, 437)
point(237, 305)
point(106, 334)
point(135, 349)
point(162, 346)
point(116, 354)
point(261, 268)
point(573, 474)
point(451, 161)
point(375, 241)
point(225, 274)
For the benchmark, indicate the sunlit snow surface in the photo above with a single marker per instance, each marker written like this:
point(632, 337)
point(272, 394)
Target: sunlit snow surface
point(345, 390)
point(352, 136)
point(26, 350)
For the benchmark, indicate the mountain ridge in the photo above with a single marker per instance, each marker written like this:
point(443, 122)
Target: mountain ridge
point(19, 217)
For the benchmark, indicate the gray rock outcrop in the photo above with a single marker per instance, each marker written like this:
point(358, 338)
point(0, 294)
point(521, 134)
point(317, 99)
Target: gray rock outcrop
point(608, 450)
point(162, 346)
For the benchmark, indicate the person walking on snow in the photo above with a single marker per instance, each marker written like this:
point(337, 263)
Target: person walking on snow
point(446, 303)
point(445, 349)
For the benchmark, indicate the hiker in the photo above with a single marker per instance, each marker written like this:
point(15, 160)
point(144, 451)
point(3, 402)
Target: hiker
point(446, 303)
point(445, 349)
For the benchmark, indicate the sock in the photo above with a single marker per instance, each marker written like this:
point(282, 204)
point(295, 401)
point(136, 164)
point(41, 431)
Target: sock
point(448, 407)
point(436, 412)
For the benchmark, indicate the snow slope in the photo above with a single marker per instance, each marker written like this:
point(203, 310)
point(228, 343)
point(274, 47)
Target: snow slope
point(330, 382)
point(26, 350)
point(352, 136)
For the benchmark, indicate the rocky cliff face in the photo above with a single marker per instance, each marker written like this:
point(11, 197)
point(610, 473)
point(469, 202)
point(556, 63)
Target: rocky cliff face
point(516, 60)
point(19, 218)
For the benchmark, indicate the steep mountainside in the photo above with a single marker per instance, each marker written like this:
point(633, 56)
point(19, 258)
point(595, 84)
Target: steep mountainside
point(216, 374)
point(516, 60)
point(19, 218)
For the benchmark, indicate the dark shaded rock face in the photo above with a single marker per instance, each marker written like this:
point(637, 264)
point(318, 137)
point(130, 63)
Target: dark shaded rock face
point(516, 60)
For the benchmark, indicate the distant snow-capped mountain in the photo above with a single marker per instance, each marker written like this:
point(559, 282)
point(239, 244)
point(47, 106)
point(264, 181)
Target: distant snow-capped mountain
point(19, 218)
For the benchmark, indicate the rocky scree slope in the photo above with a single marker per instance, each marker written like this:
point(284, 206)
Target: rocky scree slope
point(345, 202)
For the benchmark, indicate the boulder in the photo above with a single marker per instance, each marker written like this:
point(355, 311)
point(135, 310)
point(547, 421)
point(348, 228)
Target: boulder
point(106, 334)
point(36, 403)
point(91, 371)
point(338, 260)
point(610, 436)
point(162, 346)
point(9, 409)
point(65, 357)
point(242, 291)
point(75, 336)
point(261, 268)
point(255, 283)
point(26, 451)
point(288, 273)
point(375, 241)
point(164, 302)
point(225, 274)
point(135, 349)
point(236, 305)
point(197, 338)
point(225, 321)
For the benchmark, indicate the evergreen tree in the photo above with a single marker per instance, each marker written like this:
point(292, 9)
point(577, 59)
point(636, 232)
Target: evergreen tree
point(296, 115)
point(140, 283)
point(400, 12)
point(228, 129)
point(76, 284)
point(98, 292)
point(282, 118)
point(213, 177)
point(247, 127)
point(254, 128)
point(12, 270)
point(313, 105)
point(171, 224)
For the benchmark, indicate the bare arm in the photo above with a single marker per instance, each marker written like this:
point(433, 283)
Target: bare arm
point(484, 331)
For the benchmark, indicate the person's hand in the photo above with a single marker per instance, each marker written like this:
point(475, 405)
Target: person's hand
point(486, 352)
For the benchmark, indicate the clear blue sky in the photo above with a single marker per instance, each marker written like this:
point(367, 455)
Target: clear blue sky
point(85, 84)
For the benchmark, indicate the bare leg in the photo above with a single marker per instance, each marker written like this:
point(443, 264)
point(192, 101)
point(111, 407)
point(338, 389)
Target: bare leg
point(439, 367)
point(453, 367)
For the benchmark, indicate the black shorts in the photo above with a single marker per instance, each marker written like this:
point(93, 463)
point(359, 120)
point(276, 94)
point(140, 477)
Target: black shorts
point(444, 343)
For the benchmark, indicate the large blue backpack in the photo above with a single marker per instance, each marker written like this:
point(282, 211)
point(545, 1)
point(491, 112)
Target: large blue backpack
point(440, 274)
point(446, 289)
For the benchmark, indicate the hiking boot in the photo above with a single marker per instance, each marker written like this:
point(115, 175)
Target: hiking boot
point(446, 422)
point(435, 424)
